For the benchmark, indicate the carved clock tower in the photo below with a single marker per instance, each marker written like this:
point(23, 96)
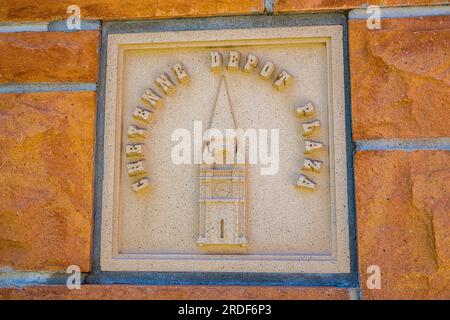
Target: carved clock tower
point(222, 182)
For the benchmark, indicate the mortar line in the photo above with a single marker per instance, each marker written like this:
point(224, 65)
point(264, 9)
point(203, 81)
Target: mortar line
point(23, 27)
point(402, 12)
point(47, 26)
point(354, 293)
point(268, 6)
point(61, 25)
point(10, 279)
point(48, 87)
point(223, 22)
point(403, 144)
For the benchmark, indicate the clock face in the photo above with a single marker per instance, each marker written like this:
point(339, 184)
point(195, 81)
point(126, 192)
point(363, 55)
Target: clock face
point(223, 189)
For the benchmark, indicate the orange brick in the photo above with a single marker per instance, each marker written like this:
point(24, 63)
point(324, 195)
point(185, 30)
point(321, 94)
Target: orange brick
point(330, 5)
point(48, 10)
point(46, 164)
point(403, 222)
point(400, 78)
point(137, 292)
point(49, 57)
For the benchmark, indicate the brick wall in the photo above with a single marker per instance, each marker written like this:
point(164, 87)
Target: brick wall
point(400, 77)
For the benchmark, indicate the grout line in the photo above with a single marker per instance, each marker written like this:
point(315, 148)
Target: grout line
point(354, 293)
point(23, 27)
point(224, 22)
point(25, 278)
point(61, 25)
point(404, 144)
point(48, 87)
point(402, 12)
point(268, 6)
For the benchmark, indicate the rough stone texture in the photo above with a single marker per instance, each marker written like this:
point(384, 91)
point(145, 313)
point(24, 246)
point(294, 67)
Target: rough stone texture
point(49, 57)
point(400, 78)
point(175, 293)
point(329, 5)
point(403, 222)
point(46, 142)
point(46, 10)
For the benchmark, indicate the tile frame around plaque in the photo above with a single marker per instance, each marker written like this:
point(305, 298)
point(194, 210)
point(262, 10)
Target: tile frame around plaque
point(113, 260)
point(109, 265)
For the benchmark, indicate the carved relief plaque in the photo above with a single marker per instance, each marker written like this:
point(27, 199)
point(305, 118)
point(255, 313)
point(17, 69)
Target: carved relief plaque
point(222, 185)
point(225, 151)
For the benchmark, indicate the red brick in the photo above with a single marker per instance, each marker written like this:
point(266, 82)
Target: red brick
point(46, 164)
point(47, 10)
point(403, 213)
point(49, 57)
point(138, 292)
point(333, 5)
point(400, 77)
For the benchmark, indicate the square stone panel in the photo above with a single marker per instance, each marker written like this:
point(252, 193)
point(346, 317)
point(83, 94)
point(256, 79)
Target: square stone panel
point(287, 229)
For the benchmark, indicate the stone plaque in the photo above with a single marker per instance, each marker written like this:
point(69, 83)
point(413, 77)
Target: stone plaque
point(225, 151)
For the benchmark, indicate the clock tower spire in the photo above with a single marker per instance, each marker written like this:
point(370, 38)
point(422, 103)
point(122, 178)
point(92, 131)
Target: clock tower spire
point(222, 182)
